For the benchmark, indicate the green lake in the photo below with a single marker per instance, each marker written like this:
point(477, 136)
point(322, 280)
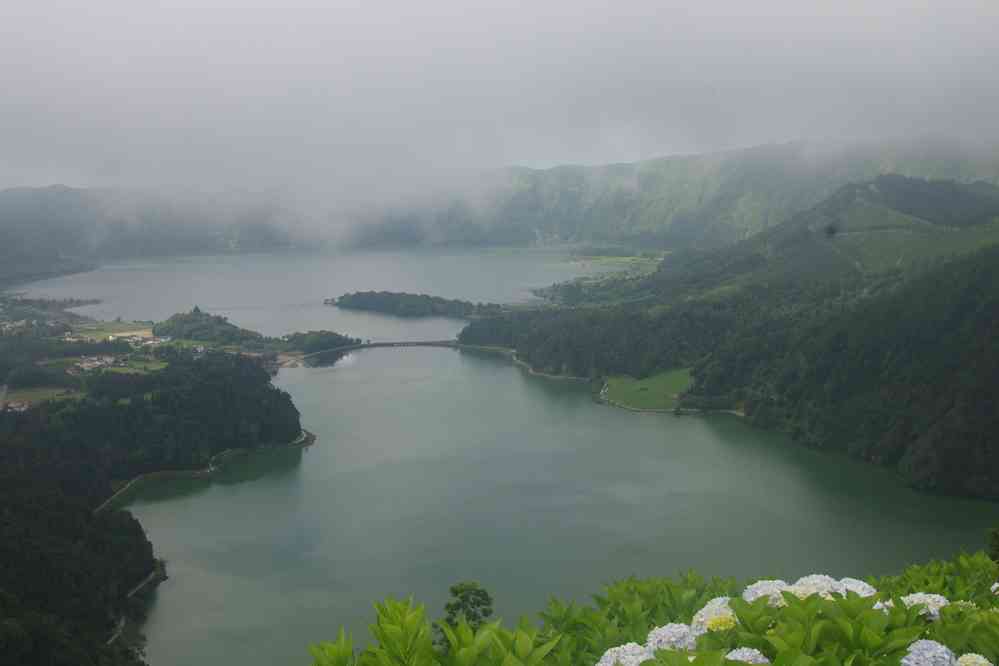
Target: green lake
point(435, 465)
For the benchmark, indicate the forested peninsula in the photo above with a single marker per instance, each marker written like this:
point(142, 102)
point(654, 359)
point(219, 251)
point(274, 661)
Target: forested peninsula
point(402, 304)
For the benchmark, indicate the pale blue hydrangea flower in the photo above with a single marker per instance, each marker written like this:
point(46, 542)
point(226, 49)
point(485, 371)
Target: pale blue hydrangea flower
point(673, 636)
point(932, 602)
point(766, 588)
point(629, 654)
point(857, 587)
point(819, 584)
point(928, 653)
point(748, 655)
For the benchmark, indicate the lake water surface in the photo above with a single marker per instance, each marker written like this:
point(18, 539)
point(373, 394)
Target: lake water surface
point(434, 465)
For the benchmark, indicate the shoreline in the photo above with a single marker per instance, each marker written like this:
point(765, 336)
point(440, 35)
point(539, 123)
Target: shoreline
point(677, 410)
point(304, 440)
point(512, 355)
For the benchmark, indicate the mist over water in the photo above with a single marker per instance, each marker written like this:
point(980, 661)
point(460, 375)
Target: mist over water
point(281, 293)
point(352, 103)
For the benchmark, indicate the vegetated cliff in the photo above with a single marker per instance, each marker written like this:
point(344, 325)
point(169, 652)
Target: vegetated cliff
point(908, 379)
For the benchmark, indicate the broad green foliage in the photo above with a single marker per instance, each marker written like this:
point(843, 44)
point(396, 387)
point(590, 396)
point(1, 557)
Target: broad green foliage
point(817, 630)
point(966, 577)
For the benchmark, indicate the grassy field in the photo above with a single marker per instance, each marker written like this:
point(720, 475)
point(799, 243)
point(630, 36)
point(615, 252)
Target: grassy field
point(655, 392)
point(140, 366)
point(100, 330)
point(42, 393)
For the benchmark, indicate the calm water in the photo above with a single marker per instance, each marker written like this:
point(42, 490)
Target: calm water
point(281, 293)
point(435, 465)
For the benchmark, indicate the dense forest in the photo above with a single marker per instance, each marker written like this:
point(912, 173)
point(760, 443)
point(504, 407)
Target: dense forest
point(311, 342)
point(413, 305)
point(65, 571)
point(818, 327)
point(128, 424)
point(205, 327)
point(908, 379)
point(64, 576)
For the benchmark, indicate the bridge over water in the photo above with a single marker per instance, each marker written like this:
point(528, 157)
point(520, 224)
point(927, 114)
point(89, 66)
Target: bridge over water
point(375, 345)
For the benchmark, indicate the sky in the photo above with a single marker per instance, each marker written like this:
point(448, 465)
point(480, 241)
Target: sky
point(357, 100)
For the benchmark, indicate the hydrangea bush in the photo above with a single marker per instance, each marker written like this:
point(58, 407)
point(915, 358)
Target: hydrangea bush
point(937, 614)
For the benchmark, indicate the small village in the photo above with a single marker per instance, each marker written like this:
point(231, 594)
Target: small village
point(139, 359)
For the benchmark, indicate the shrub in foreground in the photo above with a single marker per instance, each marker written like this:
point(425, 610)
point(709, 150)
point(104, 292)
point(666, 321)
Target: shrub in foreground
point(925, 616)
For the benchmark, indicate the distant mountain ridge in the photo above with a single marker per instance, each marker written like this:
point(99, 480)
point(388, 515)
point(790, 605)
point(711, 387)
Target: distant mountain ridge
point(50, 230)
point(698, 201)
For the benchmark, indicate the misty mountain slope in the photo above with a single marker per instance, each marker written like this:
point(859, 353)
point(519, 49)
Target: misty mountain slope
point(45, 231)
point(50, 230)
point(888, 224)
point(698, 201)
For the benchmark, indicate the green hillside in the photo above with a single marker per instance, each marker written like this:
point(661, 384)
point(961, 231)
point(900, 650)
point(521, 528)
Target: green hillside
point(855, 326)
point(890, 223)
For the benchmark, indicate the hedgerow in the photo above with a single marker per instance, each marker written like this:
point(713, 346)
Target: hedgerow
point(925, 616)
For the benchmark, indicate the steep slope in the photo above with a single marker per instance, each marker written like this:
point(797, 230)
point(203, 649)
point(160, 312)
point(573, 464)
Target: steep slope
point(907, 379)
point(888, 224)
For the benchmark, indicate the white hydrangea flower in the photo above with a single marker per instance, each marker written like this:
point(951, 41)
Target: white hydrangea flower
point(673, 636)
point(932, 602)
point(629, 654)
point(995, 588)
point(857, 587)
point(754, 656)
point(928, 653)
point(972, 659)
point(766, 588)
point(819, 584)
point(717, 607)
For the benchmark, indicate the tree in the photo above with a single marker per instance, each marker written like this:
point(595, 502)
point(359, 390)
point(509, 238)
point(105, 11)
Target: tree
point(470, 601)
